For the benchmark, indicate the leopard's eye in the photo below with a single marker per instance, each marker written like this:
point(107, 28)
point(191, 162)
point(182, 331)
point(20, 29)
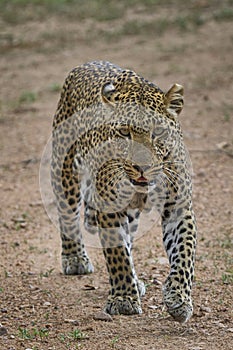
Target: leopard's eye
point(159, 132)
point(124, 131)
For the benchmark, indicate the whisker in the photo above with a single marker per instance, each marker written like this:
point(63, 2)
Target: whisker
point(171, 181)
point(173, 162)
point(170, 175)
point(161, 177)
point(174, 174)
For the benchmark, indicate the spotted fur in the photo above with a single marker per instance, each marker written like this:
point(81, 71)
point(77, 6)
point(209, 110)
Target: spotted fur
point(118, 148)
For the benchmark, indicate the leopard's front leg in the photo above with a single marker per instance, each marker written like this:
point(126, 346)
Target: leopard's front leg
point(124, 295)
point(125, 289)
point(179, 237)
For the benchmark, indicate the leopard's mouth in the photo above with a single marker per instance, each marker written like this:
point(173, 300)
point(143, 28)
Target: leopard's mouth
point(141, 181)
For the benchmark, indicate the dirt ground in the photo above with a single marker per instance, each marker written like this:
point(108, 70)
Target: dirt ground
point(39, 307)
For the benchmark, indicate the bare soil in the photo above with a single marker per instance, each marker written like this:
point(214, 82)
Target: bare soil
point(39, 307)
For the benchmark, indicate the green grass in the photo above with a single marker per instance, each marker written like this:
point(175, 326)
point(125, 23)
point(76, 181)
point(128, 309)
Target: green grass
point(78, 9)
point(108, 20)
point(47, 273)
point(227, 277)
point(35, 333)
point(227, 110)
point(55, 87)
point(114, 341)
point(18, 11)
point(27, 97)
point(74, 335)
point(156, 27)
point(224, 14)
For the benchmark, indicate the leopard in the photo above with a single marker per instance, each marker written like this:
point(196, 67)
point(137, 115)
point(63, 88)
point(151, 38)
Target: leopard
point(117, 153)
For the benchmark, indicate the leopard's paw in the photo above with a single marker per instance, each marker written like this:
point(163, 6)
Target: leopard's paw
point(179, 306)
point(74, 265)
point(124, 305)
point(181, 313)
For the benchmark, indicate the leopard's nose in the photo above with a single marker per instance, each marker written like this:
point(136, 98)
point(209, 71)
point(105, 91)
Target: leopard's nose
point(141, 168)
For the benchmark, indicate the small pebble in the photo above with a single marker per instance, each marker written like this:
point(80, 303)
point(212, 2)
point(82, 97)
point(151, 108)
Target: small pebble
point(153, 307)
point(3, 331)
point(162, 260)
point(222, 145)
point(74, 322)
point(47, 304)
point(4, 311)
point(103, 316)
point(206, 309)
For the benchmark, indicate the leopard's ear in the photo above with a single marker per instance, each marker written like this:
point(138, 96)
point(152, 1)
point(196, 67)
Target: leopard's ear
point(174, 100)
point(108, 93)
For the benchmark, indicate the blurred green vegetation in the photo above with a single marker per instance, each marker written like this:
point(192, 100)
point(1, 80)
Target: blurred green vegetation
point(17, 11)
point(60, 23)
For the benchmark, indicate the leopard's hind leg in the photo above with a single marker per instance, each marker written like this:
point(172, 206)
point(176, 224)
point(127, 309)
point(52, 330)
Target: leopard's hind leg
point(66, 187)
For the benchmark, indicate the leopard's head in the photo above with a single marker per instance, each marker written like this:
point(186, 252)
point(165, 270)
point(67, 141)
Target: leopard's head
point(144, 133)
point(134, 142)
